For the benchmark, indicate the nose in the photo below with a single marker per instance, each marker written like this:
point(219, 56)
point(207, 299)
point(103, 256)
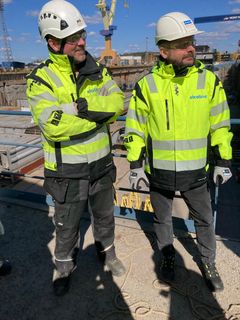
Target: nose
point(81, 42)
point(190, 47)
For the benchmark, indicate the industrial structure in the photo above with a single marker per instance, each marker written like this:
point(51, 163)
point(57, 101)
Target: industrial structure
point(8, 57)
point(108, 55)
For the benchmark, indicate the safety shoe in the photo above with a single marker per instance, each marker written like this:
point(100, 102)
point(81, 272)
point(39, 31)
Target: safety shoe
point(212, 277)
point(5, 268)
point(167, 269)
point(116, 267)
point(61, 284)
point(108, 257)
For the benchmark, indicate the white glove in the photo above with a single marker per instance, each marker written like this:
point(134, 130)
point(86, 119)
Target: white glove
point(222, 174)
point(138, 179)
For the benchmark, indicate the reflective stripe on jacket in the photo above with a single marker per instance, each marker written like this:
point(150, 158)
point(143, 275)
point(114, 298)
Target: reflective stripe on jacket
point(170, 118)
point(73, 146)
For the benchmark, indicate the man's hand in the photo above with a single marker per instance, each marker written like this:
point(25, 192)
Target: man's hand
point(222, 174)
point(138, 179)
point(82, 108)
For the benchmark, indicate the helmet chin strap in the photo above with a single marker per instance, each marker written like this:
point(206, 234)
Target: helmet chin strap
point(62, 45)
point(63, 42)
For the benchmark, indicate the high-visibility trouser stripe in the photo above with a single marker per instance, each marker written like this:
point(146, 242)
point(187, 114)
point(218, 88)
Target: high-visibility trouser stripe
point(201, 80)
point(180, 144)
point(225, 123)
point(34, 100)
point(53, 76)
point(179, 165)
point(130, 131)
point(79, 158)
point(151, 83)
point(103, 91)
point(64, 260)
point(132, 114)
point(221, 107)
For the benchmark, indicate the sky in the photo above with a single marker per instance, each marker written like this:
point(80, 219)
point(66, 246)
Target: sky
point(135, 25)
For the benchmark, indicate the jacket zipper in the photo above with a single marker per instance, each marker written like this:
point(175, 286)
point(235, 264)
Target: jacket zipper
point(167, 115)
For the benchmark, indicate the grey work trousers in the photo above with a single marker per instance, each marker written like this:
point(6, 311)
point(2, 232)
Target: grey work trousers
point(79, 196)
point(199, 204)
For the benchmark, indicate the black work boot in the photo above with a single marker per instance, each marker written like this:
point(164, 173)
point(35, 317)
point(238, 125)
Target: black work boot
point(212, 277)
point(110, 259)
point(61, 283)
point(167, 269)
point(5, 268)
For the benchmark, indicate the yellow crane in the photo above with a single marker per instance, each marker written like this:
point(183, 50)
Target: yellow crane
point(108, 55)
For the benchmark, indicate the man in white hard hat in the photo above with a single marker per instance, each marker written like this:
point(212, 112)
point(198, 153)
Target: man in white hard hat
point(174, 111)
point(73, 99)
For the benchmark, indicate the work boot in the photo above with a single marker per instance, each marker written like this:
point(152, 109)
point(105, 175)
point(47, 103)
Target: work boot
point(167, 269)
point(110, 259)
point(61, 284)
point(116, 267)
point(212, 277)
point(5, 268)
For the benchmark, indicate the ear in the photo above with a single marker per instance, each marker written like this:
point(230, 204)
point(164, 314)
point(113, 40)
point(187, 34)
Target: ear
point(163, 52)
point(54, 44)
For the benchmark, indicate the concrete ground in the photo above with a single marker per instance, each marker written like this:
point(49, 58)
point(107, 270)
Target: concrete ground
point(26, 294)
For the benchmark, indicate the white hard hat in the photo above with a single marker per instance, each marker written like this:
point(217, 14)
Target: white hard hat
point(175, 25)
point(60, 19)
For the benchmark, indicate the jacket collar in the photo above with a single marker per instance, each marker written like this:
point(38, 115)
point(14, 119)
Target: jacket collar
point(65, 63)
point(168, 70)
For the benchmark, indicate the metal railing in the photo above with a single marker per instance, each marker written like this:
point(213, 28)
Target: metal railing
point(122, 212)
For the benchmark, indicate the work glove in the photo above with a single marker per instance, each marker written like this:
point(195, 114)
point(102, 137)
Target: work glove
point(82, 108)
point(221, 175)
point(138, 179)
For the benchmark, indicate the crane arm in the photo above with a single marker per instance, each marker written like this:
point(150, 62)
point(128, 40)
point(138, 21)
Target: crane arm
point(107, 15)
point(112, 11)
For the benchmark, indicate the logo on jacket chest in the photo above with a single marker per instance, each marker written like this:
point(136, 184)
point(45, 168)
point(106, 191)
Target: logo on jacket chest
point(93, 90)
point(198, 96)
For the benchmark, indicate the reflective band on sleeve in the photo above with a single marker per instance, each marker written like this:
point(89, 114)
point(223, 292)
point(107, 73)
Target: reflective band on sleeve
point(43, 96)
point(104, 90)
point(132, 115)
point(46, 113)
point(219, 108)
point(114, 90)
point(69, 108)
point(225, 123)
point(131, 130)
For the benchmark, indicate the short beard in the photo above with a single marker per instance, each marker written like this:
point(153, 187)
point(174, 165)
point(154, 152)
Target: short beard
point(182, 64)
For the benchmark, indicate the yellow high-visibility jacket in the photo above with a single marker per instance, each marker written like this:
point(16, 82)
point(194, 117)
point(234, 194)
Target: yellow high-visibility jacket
point(73, 146)
point(169, 121)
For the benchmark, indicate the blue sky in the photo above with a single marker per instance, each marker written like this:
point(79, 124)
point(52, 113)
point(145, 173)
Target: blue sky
point(135, 25)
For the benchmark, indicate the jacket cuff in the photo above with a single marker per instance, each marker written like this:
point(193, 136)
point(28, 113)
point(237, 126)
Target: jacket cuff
point(136, 164)
point(224, 163)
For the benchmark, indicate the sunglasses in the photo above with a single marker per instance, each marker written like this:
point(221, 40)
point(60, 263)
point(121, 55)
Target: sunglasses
point(74, 38)
point(181, 45)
